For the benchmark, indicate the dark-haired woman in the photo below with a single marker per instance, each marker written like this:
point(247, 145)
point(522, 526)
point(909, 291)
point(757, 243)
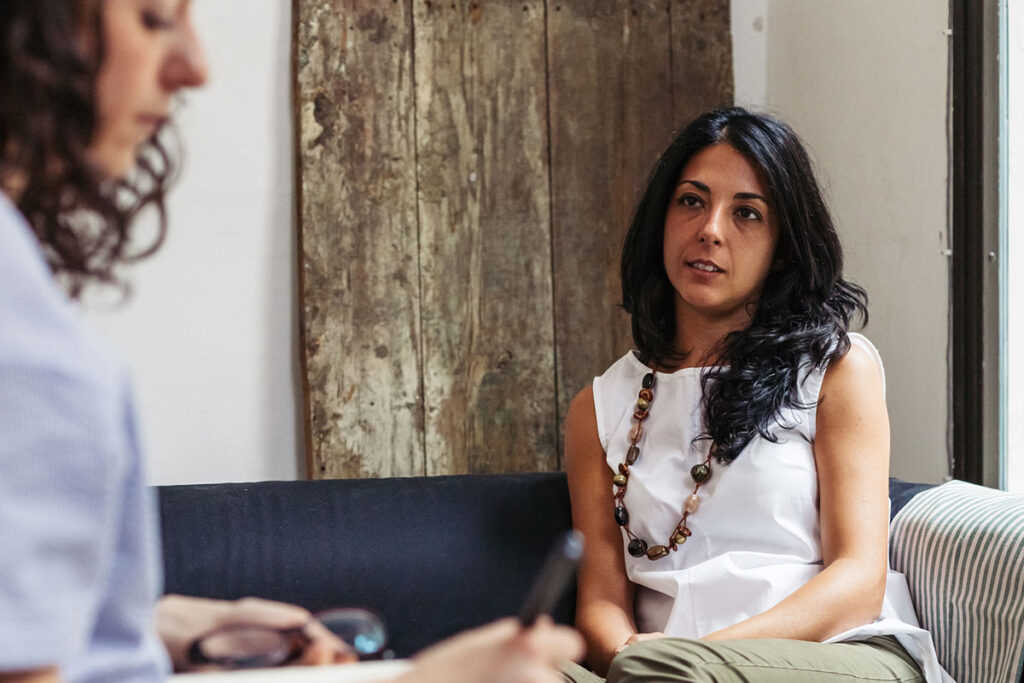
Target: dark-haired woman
point(730, 475)
point(86, 87)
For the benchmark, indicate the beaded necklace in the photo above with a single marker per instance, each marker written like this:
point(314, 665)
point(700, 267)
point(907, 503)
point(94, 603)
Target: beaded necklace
point(700, 473)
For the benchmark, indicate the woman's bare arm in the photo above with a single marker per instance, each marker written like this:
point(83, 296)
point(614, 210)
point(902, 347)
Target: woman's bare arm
point(851, 450)
point(604, 603)
point(47, 675)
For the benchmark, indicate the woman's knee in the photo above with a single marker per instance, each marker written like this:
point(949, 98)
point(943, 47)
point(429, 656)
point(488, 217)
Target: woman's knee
point(666, 660)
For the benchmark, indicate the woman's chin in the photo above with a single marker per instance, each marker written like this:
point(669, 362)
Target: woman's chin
point(112, 163)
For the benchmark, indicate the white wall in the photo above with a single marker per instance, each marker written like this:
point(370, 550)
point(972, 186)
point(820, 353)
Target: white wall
point(865, 84)
point(1015, 247)
point(210, 330)
point(748, 23)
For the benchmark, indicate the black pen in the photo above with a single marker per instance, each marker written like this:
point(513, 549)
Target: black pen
point(554, 578)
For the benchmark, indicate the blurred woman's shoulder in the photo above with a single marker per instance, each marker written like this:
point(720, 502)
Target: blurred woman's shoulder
point(41, 329)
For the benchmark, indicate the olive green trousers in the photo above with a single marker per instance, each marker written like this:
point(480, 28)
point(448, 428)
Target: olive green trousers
point(679, 660)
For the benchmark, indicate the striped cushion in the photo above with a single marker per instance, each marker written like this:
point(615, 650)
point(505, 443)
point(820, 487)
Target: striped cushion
point(961, 547)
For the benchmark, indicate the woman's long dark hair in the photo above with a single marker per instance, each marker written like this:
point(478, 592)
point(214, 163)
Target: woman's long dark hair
point(805, 309)
point(50, 51)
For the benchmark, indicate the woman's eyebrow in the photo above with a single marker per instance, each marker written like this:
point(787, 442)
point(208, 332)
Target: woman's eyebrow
point(739, 195)
point(696, 183)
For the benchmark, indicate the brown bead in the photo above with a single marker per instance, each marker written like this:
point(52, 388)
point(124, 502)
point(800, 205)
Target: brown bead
point(619, 480)
point(700, 473)
point(679, 538)
point(656, 551)
point(636, 432)
point(639, 415)
point(643, 404)
point(632, 454)
point(623, 468)
point(647, 394)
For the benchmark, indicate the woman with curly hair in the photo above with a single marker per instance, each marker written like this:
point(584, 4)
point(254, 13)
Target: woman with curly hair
point(730, 475)
point(87, 88)
point(86, 91)
point(80, 147)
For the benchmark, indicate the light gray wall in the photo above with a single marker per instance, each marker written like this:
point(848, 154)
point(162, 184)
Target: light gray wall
point(1015, 249)
point(865, 84)
point(210, 332)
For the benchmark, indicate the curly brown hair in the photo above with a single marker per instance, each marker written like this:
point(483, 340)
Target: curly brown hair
point(50, 53)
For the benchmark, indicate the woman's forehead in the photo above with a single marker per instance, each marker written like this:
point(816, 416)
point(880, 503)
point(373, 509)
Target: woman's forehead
point(721, 165)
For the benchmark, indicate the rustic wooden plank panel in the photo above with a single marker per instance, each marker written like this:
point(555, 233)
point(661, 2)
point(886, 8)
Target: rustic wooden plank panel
point(701, 57)
point(488, 347)
point(611, 116)
point(360, 292)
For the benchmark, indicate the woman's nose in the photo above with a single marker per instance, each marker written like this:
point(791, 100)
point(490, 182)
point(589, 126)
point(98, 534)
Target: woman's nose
point(186, 65)
point(711, 229)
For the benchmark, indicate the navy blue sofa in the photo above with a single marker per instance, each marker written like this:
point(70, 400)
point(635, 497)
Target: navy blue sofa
point(433, 555)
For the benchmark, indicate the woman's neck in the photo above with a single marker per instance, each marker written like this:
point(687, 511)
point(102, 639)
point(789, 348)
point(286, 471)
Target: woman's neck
point(699, 337)
point(13, 175)
point(12, 184)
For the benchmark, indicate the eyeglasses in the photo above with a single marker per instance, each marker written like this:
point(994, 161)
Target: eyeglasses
point(243, 646)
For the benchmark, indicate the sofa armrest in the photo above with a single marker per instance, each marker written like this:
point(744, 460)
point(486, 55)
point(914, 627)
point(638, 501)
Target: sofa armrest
point(961, 548)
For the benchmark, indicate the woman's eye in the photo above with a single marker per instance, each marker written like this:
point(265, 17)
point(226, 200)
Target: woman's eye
point(155, 22)
point(747, 213)
point(689, 200)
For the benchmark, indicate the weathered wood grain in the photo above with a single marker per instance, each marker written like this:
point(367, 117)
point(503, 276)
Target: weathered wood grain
point(485, 260)
point(701, 57)
point(448, 237)
point(360, 280)
point(611, 116)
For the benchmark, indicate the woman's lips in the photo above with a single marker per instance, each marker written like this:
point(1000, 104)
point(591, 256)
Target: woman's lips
point(705, 266)
point(153, 121)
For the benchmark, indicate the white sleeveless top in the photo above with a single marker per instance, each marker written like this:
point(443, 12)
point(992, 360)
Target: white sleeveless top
point(755, 537)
